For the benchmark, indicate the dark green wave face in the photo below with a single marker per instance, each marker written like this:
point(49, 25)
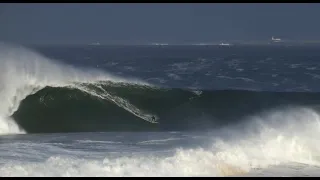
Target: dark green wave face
point(116, 107)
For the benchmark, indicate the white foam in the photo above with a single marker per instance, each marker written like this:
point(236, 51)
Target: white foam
point(184, 163)
point(174, 76)
point(285, 135)
point(8, 125)
point(24, 72)
point(237, 78)
point(159, 141)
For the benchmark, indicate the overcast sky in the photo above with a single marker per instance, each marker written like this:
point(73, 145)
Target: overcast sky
point(144, 23)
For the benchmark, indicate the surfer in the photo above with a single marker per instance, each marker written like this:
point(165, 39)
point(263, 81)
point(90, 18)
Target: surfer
point(153, 118)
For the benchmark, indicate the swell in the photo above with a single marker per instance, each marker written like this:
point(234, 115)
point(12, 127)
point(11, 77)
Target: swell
point(107, 106)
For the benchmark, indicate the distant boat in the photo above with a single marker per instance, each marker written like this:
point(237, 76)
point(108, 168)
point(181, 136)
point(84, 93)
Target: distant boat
point(224, 44)
point(275, 39)
point(160, 44)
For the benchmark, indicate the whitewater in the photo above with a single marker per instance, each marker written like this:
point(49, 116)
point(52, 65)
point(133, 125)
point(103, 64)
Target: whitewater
point(276, 140)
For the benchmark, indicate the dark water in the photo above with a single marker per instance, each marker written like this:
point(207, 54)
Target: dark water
point(268, 68)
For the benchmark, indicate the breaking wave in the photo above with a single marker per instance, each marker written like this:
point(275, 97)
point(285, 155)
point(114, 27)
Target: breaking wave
point(39, 95)
point(24, 72)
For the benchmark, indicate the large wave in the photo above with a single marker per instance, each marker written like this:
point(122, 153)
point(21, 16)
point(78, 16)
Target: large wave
point(39, 95)
point(109, 106)
point(24, 72)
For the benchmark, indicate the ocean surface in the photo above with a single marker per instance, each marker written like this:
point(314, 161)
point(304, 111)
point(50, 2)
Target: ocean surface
point(242, 110)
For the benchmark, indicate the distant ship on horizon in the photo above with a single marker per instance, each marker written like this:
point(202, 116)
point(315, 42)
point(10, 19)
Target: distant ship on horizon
point(160, 44)
point(275, 39)
point(224, 44)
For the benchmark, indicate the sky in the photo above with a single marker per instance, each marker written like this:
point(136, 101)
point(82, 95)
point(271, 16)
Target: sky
point(165, 23)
